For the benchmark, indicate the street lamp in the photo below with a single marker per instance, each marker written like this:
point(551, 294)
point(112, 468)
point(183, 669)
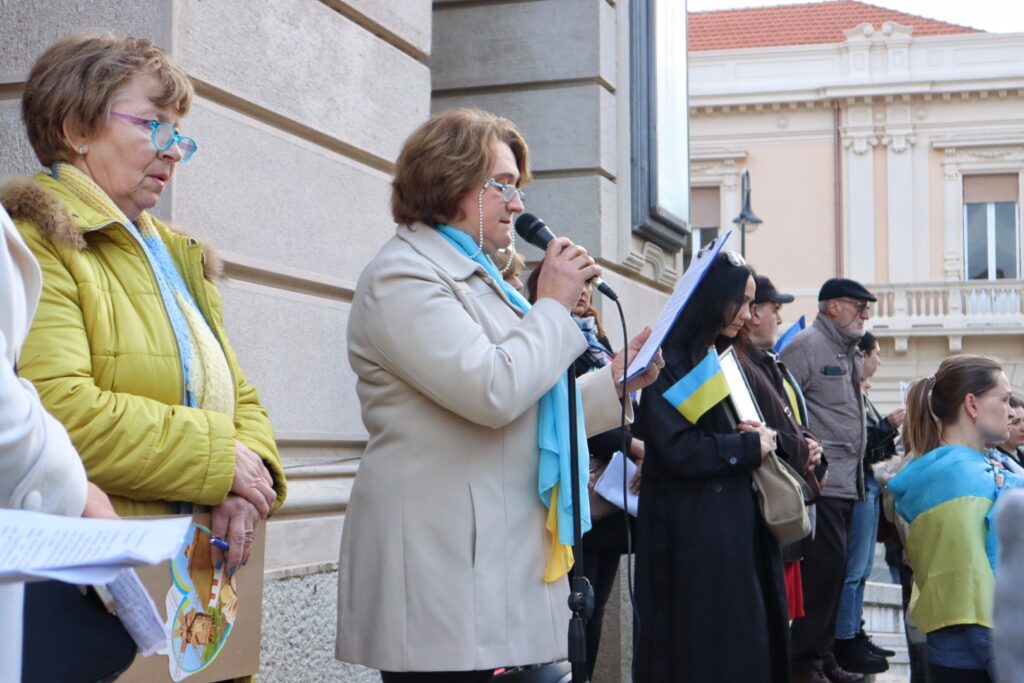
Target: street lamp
point(747, 216)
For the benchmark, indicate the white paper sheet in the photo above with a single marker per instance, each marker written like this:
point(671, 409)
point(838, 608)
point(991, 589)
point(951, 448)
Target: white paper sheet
point(904, 390)
point(675, 304)
point(609, 484)
point(84, 551)
point(137, 612)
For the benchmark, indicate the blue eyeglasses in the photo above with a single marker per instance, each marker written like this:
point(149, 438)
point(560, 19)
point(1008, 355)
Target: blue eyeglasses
point(163, 136)
point(508, 191)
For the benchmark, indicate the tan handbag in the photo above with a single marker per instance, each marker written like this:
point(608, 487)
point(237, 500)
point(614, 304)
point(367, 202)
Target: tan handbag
point(783, 495)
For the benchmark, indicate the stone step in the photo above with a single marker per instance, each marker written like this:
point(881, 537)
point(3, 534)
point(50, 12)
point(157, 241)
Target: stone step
point(883, 618)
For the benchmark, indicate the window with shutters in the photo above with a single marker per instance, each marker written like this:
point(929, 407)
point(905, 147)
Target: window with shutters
point(991, 227)
point(705, 215)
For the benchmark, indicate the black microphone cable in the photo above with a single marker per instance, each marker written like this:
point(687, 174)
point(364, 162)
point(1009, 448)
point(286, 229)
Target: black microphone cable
point(626, 442)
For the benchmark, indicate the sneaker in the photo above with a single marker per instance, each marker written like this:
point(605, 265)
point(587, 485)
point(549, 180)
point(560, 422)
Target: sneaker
point(871, 646)
point(853, 655)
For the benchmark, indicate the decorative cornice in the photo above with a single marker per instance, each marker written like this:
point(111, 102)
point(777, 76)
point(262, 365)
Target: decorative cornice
point(824, 98)
point(860, 144)
point(899, 143)
point(661, 264)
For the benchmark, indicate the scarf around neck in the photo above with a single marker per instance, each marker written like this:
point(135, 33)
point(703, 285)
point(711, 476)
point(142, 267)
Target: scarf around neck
point(599, 354)
point(208, 381)
point(554, 471)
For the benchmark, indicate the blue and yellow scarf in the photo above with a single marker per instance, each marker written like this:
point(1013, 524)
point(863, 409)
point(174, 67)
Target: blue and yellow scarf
point(554, 472)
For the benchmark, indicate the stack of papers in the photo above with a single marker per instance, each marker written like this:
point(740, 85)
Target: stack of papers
point(82, 551)
point(609, 484)
point(98, 552)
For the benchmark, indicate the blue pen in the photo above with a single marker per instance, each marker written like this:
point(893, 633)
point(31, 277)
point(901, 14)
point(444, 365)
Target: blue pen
point(220, 543)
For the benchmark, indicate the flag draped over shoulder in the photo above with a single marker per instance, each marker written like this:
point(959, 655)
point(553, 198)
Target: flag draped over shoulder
point(948, 496)
point(700, 390)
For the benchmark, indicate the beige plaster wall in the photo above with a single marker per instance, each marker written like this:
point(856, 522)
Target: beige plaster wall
point(936, 213)
point(881, 206)
point(792, 192)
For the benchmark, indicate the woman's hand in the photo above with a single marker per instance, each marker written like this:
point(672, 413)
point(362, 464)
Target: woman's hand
point(647, 376)
point(814, 457)
point(764, 433)
point(895, 418)
point(252, 480)
point(97, 504)
point(567, 267)
point(235, 520)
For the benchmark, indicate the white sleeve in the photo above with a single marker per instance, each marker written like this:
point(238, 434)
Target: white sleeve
point(39, 467)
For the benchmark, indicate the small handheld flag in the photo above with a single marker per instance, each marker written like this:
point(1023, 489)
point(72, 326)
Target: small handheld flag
point(700, 390)
point(788, 335)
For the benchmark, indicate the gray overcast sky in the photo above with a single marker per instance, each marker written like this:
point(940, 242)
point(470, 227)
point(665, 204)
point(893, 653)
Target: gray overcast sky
point(1000, 16)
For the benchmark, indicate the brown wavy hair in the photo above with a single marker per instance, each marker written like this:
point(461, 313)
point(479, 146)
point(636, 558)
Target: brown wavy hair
point(446, 157)
point(75, 79)
point(935, 401)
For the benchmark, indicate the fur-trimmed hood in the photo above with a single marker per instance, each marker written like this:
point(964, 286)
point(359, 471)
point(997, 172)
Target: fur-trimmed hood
point(885, 470)
point(64, 220)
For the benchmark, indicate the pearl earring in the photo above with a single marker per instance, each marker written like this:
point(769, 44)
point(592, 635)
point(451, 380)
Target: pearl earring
point(82, 149)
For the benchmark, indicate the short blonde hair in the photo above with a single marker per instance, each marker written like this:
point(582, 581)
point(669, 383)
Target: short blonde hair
point(75, 79)
point(447, 156)
point(511, 263)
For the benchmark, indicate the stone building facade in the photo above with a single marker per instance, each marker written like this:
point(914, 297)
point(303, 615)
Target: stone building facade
point(881, 146)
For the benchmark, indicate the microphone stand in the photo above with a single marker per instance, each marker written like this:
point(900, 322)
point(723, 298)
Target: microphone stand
point(581, 595)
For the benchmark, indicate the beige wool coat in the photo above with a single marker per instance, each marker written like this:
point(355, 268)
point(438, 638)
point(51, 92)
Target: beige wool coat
point(444, 546)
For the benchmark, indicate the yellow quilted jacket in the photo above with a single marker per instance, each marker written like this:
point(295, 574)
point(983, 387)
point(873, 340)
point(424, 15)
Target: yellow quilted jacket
point(105, 360)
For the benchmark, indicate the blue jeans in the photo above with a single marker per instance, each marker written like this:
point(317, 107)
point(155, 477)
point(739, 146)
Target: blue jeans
point(860, 557)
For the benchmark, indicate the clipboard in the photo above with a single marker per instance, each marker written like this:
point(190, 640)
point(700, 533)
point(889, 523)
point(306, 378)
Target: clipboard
point(674, 306)
point(741, 397)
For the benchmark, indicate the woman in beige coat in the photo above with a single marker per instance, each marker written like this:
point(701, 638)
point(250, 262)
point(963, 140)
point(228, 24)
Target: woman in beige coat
point(442, 569)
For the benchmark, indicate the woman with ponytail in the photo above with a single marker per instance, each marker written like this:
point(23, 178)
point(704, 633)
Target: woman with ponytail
point(946, 495)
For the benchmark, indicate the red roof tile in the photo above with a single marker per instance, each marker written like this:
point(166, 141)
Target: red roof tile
point(805, 24)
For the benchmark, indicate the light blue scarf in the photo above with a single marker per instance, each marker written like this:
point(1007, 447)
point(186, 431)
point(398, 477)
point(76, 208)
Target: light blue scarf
point(553, 423)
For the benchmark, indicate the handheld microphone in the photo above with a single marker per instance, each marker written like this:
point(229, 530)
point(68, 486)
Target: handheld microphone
point(537, 233)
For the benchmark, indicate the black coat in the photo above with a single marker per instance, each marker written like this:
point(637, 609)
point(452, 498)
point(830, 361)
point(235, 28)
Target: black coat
point(881, 436)
point(709, 580)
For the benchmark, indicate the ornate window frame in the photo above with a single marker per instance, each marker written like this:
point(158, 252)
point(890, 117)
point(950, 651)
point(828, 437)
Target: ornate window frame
point(972, 157)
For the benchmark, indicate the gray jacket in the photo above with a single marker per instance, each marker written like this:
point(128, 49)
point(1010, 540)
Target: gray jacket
point(825, 361)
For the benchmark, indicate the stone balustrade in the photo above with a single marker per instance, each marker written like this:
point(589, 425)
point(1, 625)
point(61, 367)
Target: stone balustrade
point(953, 309)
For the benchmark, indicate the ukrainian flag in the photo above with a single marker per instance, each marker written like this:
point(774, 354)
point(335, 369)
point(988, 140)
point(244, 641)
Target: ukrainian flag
point(788, 335)
point(701, 390)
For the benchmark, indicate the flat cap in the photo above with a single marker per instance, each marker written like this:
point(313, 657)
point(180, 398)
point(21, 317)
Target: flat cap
point(840, 287)
point(766, 292)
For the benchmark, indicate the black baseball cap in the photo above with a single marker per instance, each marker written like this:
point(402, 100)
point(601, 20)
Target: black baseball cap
point(766, 292)
point(841, 287)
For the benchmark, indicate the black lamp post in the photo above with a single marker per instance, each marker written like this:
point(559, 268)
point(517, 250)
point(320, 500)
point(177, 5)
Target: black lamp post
point(747, 216)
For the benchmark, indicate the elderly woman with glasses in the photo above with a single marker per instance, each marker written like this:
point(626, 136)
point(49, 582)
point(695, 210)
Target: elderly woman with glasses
point(128, 348)
point(453, 556)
